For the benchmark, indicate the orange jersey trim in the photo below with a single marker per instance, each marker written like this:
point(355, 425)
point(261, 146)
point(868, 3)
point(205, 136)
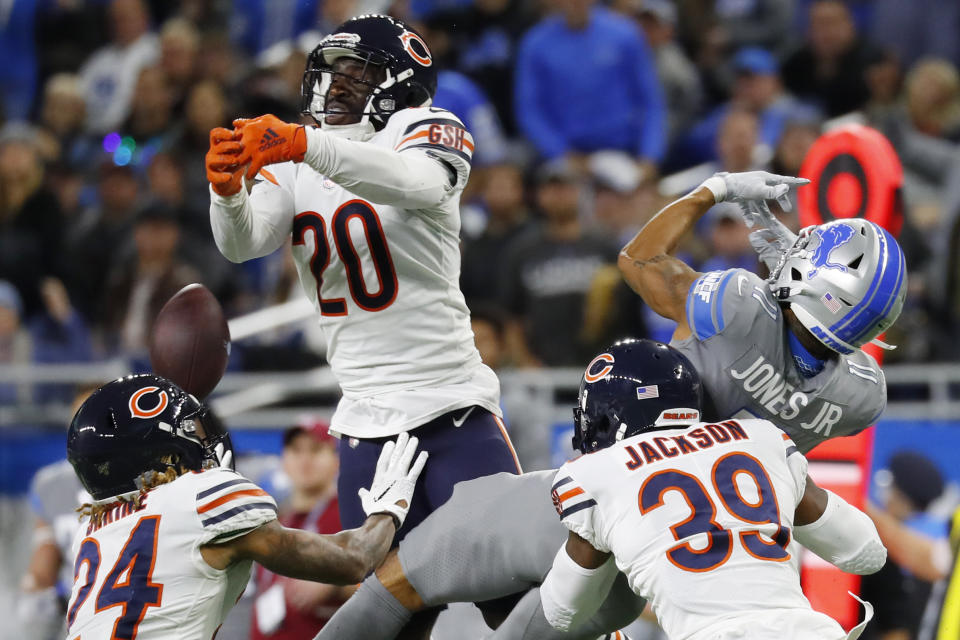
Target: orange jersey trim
point(269, 176)
point(230, 496)
point(570, 494)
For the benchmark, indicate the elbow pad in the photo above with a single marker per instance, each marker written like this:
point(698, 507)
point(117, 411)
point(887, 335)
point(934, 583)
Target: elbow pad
point(571, 594)
point(845, 537)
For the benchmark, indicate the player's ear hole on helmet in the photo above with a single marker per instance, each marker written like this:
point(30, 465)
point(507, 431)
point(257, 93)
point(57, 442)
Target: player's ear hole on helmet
point(855, 263)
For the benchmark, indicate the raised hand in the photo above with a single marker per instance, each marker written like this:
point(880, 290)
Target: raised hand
point(753, 185)
point(770, 238)
point(268, 140)
point(394, 479)
point(224, 164)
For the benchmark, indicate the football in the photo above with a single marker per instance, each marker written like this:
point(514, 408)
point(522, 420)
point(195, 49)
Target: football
point(190, 341)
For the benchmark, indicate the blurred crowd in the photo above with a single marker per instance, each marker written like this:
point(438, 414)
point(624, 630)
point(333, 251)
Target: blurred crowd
point(588, 117)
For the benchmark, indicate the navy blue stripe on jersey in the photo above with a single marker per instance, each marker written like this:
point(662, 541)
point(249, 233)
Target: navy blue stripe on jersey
point(219, 487)
point(705, 306)
point(437, 147)
point(580, 506)
point(421, 123)
point(226, 515)
point(561, 482)
point(792, 450)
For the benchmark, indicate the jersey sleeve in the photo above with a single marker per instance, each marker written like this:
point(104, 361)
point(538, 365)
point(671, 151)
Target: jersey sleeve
point(577, 508)
point(728, 302)
point(776, 443)
point(439, 134)
point(228, 505)
point(247, 226)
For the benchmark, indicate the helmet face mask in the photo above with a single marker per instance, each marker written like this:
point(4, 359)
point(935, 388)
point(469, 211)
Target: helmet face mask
point(845, 282)
point(137, 425)
point(397, 68)
point(633, 387)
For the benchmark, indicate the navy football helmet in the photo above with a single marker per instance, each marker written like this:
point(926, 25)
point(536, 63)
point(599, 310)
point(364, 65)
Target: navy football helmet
point(137, 424)
point(632, 387)
point(383, 44)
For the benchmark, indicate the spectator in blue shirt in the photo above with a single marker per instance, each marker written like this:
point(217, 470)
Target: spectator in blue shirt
point(586, 81)
point(757, 89)
point(255, 25)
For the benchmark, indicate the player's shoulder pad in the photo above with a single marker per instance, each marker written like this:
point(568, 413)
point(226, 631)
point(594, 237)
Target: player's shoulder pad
point(576, 505)
point(228, 505)
point(432, 129)
point(769, 432)
point(568, 491)
point(861, 365)
point(728, 301)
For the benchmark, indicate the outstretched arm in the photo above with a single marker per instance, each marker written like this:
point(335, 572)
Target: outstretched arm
point(662, 280)
point(345, 557)
point(342, 558)
point(409, 180)
point(839, 533)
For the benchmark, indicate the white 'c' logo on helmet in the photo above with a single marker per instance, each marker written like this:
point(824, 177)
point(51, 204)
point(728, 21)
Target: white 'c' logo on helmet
point(136, 411)
point(416, 48)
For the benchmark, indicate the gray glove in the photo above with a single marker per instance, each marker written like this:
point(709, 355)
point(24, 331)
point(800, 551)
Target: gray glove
point(752, 185)
point(772, 238)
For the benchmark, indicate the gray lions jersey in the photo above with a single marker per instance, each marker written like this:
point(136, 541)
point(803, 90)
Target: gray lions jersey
point(739, 346)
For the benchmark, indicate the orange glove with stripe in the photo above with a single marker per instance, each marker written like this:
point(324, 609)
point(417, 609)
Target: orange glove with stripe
point(224, 166)
point(268, 140)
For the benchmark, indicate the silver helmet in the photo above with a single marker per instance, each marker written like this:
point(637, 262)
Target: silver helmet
point(845, 281)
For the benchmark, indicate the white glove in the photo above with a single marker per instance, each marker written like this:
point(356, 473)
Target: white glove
point(394, 480)
point(772, 238)
point(752, 185)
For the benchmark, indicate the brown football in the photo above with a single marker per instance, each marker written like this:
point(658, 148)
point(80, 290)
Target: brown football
point(190, 341)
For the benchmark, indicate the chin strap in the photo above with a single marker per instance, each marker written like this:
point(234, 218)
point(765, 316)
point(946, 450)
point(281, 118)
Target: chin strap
point(883, 345)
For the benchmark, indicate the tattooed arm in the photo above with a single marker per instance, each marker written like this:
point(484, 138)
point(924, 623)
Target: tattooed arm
point(659, 278)
point(343, 558)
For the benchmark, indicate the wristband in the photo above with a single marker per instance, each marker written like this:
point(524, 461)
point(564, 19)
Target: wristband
point(717, 186)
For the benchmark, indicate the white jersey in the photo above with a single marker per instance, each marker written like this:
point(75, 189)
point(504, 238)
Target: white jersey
point(140, 574)
point(384, 277)
point(700, 526)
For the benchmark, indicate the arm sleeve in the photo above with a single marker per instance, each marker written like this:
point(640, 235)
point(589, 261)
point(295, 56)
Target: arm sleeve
point(529, 96)
point(578, 509)
point(247, 226)
point(845, 537)
point(418, 174)
point(653, 125)
point(228, 506)
point(571, 594)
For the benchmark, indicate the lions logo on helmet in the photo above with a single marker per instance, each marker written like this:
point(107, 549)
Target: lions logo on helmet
point(846, 282)
point(831, 237)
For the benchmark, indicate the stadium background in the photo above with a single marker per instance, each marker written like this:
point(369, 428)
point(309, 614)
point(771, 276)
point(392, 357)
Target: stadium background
point(106, 107)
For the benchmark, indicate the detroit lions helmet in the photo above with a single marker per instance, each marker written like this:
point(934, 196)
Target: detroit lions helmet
point(381, 43)
point(632, 387)
point(138, 424)
point(845, 280)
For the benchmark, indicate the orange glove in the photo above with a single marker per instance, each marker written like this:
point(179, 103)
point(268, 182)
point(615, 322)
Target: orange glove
point(224, 166)
point(268, 140)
